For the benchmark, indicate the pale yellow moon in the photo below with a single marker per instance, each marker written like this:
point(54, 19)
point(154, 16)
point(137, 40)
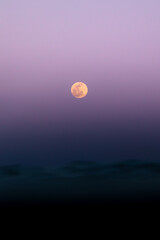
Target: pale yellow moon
point(79, 90)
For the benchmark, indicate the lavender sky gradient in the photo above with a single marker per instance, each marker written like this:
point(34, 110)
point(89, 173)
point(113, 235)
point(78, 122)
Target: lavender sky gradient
point(113, 46)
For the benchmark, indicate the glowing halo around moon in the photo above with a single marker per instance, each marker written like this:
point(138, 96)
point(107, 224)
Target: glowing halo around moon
point(79, 90)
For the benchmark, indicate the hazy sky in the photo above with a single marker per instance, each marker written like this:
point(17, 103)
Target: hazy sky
point(113, 46)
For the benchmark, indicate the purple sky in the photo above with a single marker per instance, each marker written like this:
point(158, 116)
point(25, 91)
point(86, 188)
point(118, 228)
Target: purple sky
point(113, 46)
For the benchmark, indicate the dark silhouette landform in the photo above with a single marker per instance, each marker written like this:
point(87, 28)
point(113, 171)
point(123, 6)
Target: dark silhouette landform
point(81, 182)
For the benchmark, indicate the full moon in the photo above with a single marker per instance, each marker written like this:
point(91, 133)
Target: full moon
point(79, 90)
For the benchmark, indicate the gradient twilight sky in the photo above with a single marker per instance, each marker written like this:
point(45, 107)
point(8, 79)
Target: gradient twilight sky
point(113, 46)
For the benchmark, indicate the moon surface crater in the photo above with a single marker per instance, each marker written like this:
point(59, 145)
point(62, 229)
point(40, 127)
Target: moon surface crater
point(79, 90)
